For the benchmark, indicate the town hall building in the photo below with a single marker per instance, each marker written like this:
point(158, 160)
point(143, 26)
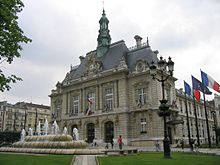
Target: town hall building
point(112, 93)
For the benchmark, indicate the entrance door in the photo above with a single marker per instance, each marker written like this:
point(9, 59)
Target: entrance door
point(109, 131)
point(90, 132)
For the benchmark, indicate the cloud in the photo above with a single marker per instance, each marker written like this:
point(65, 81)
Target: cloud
point(61, 31)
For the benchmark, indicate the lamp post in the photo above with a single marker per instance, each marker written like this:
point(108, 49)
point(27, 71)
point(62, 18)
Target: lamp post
point(165, 70)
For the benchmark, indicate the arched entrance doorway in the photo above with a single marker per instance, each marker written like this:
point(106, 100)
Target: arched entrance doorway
point(109, 131)
point(90, 132)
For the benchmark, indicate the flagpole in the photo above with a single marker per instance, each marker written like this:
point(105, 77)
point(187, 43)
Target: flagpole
point(187, 119)
point(196, 120)
point(207, 122)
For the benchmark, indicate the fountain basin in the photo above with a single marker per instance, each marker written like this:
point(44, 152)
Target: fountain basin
point(51, 144)
point(49, 138)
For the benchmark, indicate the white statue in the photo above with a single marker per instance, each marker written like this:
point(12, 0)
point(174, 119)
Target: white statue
point(38, 129)
point(23, 134)
point(30, 132)
point(75, 134)
point(65, 131)
point(55, 128)
point(46, 127)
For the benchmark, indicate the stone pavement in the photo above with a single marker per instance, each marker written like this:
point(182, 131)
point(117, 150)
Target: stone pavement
point(85, 160)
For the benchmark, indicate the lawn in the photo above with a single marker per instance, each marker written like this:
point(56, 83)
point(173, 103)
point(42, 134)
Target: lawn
point(157, 159)
point(20, 159)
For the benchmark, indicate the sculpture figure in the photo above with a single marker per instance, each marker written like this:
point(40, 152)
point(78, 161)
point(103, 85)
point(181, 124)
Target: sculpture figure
point(75, 134)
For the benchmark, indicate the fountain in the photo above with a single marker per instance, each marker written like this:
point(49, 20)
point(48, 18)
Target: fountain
point(53, 143)
point(46, 127)
point(75, 134)
point(30, 132)
point(38, 129)
point(23, 134)
point(65, 131)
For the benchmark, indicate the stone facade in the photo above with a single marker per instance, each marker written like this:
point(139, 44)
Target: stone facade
point(112, 93)
point(181, 130)
point(22, 115)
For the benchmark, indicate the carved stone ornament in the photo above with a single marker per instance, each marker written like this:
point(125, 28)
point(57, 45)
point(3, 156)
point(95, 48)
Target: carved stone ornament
point(140, 66)
point(123, 63)
point(93, 65)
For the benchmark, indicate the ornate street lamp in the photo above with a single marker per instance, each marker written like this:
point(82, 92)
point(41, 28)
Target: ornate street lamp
point(165, 70)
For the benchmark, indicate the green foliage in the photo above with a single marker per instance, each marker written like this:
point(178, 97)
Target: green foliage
point(11, 38)
point(9, 137)
point(157, 159)
point(12, 159)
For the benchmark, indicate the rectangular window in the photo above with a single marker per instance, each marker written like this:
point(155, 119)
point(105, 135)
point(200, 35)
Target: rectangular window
point(109, 98)
point(141, 94)
point(143, 125)
point(75, 105)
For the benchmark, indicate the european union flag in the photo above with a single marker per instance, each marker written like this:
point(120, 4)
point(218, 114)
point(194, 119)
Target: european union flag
point(199, 86)
point(187, 88)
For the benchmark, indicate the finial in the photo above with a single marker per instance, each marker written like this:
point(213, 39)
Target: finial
point(148, 42)
point(103, 5)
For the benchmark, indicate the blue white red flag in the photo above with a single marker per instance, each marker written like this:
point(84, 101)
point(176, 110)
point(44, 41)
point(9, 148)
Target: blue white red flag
point(200, 86)
point(210, 82)
point(197, 95)
point(89, 100)
point(187, 88)
point(88, 111)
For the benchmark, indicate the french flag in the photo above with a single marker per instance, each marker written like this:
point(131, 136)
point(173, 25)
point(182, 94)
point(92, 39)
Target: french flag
point(89, 100)
point(210, 82)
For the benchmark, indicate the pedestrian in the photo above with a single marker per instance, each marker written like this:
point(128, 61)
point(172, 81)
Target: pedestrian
point(182, 144)
point(106, 146)
point(120, 142)
point(157, 145)
point(112, 142)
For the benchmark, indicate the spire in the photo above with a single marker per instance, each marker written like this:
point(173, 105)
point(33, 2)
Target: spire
point(104, 38)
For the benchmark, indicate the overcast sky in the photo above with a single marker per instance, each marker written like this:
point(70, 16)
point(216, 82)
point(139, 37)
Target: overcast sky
point(63, 30)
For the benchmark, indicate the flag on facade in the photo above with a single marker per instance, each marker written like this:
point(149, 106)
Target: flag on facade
point(200, 86)
point(89, 100)
point(187, 88)
point(88, 111)
point(210, 82)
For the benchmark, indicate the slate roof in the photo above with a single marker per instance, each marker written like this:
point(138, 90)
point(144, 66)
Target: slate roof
point(112, 59)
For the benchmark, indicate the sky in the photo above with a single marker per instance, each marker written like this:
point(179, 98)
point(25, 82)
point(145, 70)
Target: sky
point(62, 30)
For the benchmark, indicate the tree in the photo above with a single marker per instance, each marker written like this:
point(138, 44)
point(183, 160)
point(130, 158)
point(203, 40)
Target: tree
point(11, 38)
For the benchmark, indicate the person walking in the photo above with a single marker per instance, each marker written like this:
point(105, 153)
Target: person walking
point(112, 142)
point(120, 142)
